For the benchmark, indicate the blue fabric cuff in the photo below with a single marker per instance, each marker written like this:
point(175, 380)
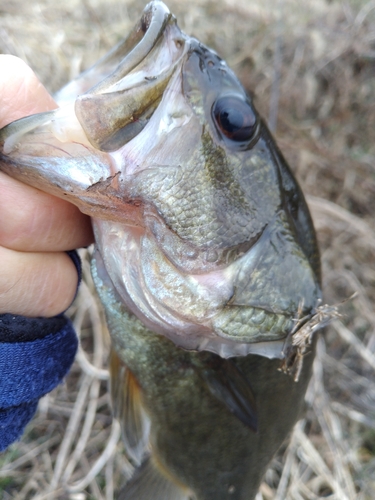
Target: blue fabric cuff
point(13, 422)
point(28, 370)
point(35, 355)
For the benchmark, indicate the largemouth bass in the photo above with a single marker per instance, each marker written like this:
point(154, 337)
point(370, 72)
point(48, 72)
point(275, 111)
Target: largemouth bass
point(205, 256)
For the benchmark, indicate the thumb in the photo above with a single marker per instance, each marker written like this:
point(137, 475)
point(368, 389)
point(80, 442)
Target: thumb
point(21, 92)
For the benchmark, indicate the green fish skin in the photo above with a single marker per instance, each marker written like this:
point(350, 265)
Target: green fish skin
point(194, 436)
point(206, 256)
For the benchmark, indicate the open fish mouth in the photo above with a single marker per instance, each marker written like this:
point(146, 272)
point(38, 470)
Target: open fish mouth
point(100, 111)
point(200, 227)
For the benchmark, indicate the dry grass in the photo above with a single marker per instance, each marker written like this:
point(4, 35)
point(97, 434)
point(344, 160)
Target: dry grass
point(311, 66)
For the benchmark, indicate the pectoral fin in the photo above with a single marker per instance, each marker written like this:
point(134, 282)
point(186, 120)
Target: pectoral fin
point(128, 409)
point(148, 483)
point(228, 384)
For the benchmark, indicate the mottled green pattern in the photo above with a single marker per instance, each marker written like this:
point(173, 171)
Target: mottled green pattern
point(248, 323)
point(193, 434)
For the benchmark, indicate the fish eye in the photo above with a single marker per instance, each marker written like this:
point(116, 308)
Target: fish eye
point(235, 118)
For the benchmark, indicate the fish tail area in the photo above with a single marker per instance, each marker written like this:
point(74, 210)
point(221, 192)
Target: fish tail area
point(148, 483)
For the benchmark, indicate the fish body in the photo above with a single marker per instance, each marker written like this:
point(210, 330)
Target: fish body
point(194, 435)
point(206, 255)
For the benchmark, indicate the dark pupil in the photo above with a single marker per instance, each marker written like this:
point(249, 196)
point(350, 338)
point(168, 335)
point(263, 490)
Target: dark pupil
point(235, 118)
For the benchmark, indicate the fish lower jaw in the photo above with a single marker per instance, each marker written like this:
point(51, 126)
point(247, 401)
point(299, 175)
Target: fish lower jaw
point(222, 334)
point(239, 333)
point(272, 349)
point(195, 312)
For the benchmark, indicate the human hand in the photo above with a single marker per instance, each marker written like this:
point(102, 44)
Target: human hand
point(36, 229)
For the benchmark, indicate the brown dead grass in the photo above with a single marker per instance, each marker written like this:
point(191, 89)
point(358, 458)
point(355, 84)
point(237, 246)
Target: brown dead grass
point(311, 66)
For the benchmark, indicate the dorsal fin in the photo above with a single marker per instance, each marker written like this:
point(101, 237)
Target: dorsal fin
point(148, 483)
point(230, 386)
point(128, 409)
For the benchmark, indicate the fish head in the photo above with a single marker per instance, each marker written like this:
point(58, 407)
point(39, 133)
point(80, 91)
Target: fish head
point(200, 226)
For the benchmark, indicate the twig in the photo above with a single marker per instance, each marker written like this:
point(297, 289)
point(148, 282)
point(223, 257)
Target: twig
point(102, 460)
point(89, 368)
point(353, 340)
point(71, 430)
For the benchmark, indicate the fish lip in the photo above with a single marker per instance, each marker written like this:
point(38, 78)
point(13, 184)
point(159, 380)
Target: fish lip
point(134, 48)
point(153, 22)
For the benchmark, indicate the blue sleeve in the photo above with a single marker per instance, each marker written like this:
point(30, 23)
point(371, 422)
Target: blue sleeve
point(35, 355)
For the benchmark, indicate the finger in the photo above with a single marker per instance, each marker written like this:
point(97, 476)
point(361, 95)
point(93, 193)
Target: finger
point(35, 221)
point(33, 284)
point(36, 284)
point(31, 220)
point(21, 92)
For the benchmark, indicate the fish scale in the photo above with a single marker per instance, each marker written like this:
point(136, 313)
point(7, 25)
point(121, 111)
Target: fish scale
point(229, 218)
